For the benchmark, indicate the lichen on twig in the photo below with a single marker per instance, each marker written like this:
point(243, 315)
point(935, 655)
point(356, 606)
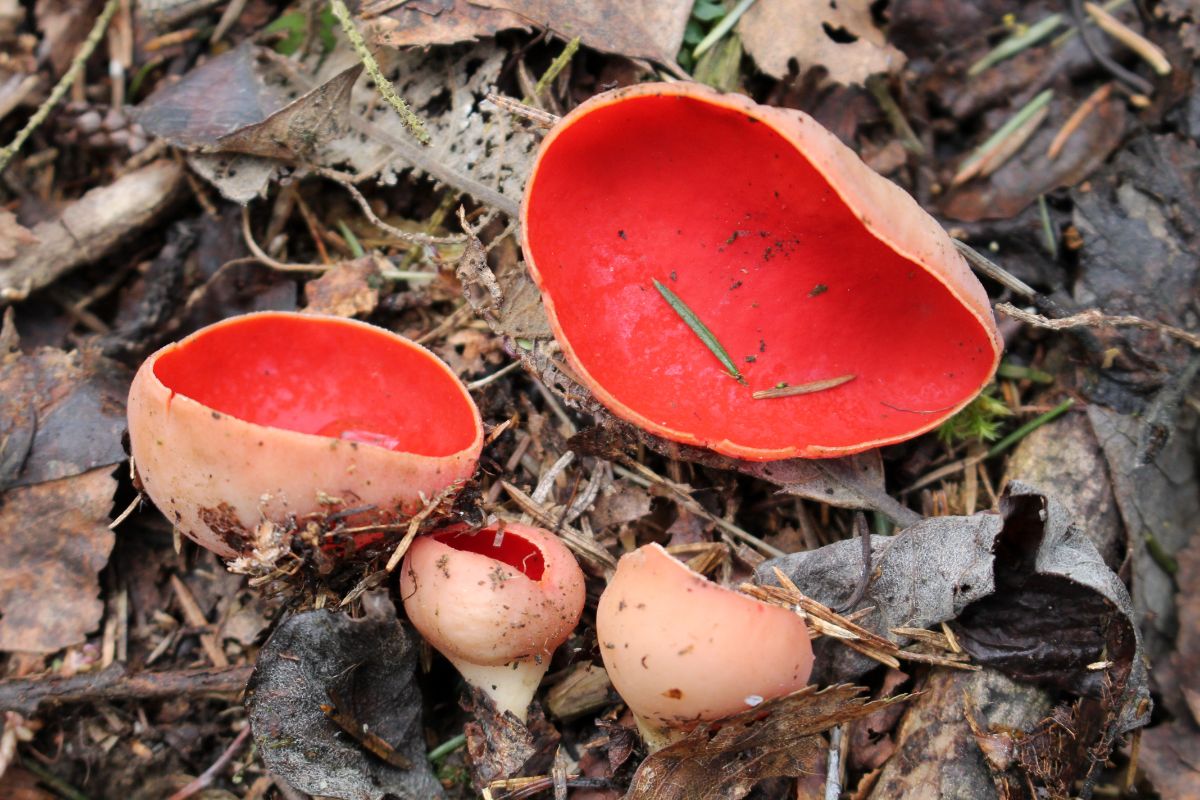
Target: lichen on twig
point(386, 90)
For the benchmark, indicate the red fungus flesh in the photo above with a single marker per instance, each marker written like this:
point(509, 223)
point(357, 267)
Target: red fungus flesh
point(512, 550)
point(729, 215)
point(323, 377)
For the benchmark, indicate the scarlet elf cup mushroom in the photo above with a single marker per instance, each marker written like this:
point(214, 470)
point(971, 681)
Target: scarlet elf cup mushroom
point(496, 602)
point(681, 650)
point(272, 417)
point(811, 307)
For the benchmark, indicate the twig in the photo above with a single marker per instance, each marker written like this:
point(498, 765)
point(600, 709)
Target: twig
point(1092, 318)
point(878, 86)
point(543, 119)
point(864, 580)
point(495, 376)
point(347, 182)
point(1147, 50)
point(582, 545)
point(833, 766)
point(206, 778)
point(983, 264)
point(117, 683)
point(644, 477)
point(261, 255)
point(447, 747)
point(411, 121)
point(414, 525)
point(195, 618)
point(64, 83)
point(1136, 82)
point(60, 786)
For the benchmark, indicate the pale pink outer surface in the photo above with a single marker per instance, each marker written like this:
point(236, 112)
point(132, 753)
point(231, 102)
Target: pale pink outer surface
point(886, 211)
point(482, 611)
point(680, 649)
point(216, 477)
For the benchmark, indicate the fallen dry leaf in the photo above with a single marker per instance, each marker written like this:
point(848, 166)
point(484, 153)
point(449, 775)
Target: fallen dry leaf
point(429, 22)
point(1170, 758)
point(650, 29)
point(13, 236)
point(349, 289)
point(779, 738)
point(841, 37)
point(54, 539)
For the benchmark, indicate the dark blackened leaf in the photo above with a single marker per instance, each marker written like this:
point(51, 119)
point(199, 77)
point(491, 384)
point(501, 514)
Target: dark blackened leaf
point(778, 739)
point(321, 664)
point(924, 576)
point(227, 105)
point(61, 414)
point(1057, 611)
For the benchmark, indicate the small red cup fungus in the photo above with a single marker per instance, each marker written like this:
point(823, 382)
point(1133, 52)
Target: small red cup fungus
point(496, 602)
point(277, 416)
point(841, 307)
point(681, 650)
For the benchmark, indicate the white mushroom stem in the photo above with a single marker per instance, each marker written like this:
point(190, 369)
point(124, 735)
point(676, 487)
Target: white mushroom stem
point(510, 686)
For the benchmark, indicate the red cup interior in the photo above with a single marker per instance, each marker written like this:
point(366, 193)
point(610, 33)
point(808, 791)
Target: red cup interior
point(723, 209)
point(326, 377)
point(507, 548)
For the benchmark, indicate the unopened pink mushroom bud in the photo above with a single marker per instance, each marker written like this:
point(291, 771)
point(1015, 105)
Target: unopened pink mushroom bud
point(682, 650)
point(496, 602)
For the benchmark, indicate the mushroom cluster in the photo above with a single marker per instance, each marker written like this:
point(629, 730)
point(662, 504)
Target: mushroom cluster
point(731, 275)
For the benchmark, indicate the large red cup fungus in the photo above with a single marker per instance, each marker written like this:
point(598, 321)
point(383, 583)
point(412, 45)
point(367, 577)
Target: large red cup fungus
point(496, 602)
point(277, 416)
point(804, 266)
point(681, 650)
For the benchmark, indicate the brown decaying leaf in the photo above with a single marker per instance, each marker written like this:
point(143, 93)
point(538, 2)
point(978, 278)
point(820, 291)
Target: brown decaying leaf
point(1170, 755)
point(349, 289)
point(650, 29)
point(937, 756)
point(1029, 173)
point(13, 237)
point(65, 411)
point(54, 539)
point(431, 22)
point(841, 37)
point(501, 747)
point(779, 738)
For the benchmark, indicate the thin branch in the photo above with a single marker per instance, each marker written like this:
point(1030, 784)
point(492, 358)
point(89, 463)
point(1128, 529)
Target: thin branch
point(261, 255)
point(1093, 318)
point(411, 121)
point(209, 775)
point(347, 183)
point(64, 83)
